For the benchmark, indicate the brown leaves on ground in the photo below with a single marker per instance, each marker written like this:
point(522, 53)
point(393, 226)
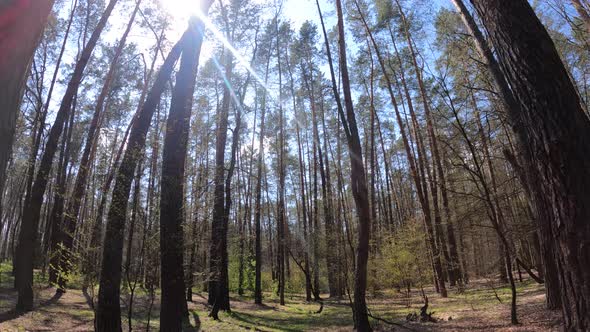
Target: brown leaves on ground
point(476, 309)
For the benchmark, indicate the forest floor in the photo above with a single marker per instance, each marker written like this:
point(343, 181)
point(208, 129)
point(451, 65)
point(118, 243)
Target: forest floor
point(477, 308)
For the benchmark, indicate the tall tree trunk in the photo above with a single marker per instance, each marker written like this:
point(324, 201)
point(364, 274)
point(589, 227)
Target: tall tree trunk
point(223, 286)
point(96, 236)
point(73, 208)
point(37, 139)
point(217, 286)
point(174, 308)
point(258, 196)
point(315, 216)
point(433, 142)
point(54, 222)
point(304, 212)
point(513, 109)
point(281, 223)
point(108, 314)
point(200, 191)
point(417, 173)
point(50, 236)
point(332, 256)
point(358, 186)
point(21, 27)
point(558, 133)
point(318, 161)
point(28, 235)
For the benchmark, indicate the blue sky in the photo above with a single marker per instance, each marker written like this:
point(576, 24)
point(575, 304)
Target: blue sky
point(297, 11)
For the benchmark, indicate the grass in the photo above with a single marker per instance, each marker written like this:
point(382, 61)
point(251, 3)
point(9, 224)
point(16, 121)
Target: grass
point(474, 308)
point(295, 316)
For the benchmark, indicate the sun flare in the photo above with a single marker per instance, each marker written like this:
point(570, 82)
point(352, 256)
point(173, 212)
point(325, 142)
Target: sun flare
point(181, 9)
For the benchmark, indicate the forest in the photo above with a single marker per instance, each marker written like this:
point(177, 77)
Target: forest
point(294, 165)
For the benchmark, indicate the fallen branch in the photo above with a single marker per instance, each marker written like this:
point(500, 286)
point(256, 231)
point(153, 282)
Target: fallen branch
point(490, 284)
point(315, 292)
point(425, 316)
point(530, 272)
point(388, 321)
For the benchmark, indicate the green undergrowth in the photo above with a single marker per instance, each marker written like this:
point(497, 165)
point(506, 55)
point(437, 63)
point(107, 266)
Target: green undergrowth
point(297, 314)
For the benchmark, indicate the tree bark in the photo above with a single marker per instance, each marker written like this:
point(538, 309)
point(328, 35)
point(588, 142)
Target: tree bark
point(217, 286)
point(258, 197)
point(54, 222)
point(358, 185)
point(558, 134)
point(21, 26)
point(281, 223)
point(527, 178)
point(174, 309)
point(108, 314)
point(28, 235)
point(73, 208)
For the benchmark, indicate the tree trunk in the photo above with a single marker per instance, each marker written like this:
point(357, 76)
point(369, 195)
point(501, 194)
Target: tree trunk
point(28, 235)
point(73, 208)
point(558, 133)
point(174, 309)
point(527, 178)
point(358, 186)
point(223, 287)
point(438, 170)
point(54, 222)
point(281, 223)
point(108, 314)
point(22, 25)
point(50, 236)
point(217, 286)
point(258, 197)
point(332, 256)
point(37, 139)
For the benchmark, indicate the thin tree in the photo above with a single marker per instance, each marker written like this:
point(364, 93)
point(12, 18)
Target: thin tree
point(418, 168)
point(31, 213)
point(258, 194)
point(73, 208)
point(217, 287)
point(358, 183)
point(281, 223)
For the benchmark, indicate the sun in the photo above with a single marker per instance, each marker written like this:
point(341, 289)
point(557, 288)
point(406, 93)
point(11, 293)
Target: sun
point(181, 10)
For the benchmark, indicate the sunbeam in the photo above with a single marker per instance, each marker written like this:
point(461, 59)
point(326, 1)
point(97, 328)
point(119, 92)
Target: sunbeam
point(221, 38)
point(227, 82)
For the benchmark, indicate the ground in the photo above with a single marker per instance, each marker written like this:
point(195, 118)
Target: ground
point(475, 309)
